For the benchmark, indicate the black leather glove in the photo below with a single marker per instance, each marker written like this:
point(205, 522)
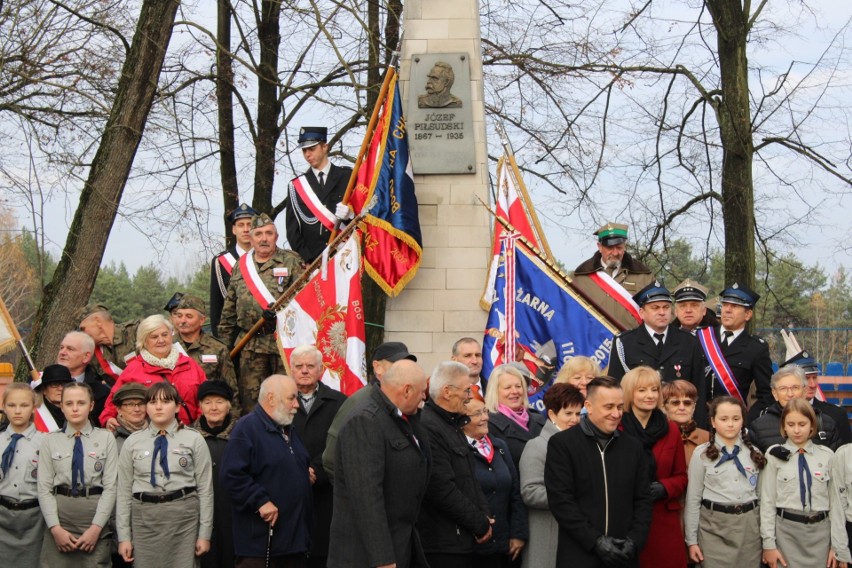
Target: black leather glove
point(658, 492)
point(269, 313)
point(611, 554)
point(628, 547)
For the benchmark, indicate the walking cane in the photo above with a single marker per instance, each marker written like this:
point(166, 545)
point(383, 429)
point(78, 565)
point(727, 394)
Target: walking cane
point(268, 545)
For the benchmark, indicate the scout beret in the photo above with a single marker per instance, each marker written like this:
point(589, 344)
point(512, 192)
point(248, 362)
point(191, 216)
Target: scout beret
point(88, 310)
point(739, 295)
point(261, 220)
point(392, 351)
point(312, 135)
point(612, 234)
point(214, 387)
point(244, 210)
point(689, 290)
point(653, 292)
point(129, 391)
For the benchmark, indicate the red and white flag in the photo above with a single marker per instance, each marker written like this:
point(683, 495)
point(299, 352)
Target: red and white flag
point(510, 206)
point(329, 313)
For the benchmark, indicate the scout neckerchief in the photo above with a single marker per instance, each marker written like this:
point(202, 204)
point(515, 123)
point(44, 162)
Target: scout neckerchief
point(617, 292)
point(255, 284)
point(304, 190)
point(707, 338)
point(108, 367)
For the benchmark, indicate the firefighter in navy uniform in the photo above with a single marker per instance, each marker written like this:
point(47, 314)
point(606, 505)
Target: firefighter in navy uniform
point(314, 199)
point(224, 262)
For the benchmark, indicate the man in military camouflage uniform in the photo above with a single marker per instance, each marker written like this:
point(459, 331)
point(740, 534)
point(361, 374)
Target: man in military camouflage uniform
point(115, 344)
point(257, 281)
point(188, 315)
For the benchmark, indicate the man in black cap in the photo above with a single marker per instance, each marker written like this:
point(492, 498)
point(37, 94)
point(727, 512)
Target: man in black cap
point(314, 200)
point(224, 262)
point(611, 277)
point(673, 352)
point(744, 363)
point(690, 308)
point(53, 378)
point(384, 356)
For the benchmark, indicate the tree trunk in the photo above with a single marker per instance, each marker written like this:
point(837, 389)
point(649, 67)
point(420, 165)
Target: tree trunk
point(75, 275)
point(225, 104)
point(268, 107)
point(734, 116)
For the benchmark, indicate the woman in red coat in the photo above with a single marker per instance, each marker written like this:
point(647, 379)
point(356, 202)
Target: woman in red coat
point(644, 419)
point(159, 360)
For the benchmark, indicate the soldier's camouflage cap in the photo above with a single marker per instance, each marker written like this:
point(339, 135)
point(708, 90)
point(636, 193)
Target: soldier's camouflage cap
point(261, 220)
point(88, 310)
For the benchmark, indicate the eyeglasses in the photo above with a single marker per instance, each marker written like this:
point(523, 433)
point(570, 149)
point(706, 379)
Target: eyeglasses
point(468, 391)
point(789, 390)
point(687, 402)
point(132, 405)
point(481, 412)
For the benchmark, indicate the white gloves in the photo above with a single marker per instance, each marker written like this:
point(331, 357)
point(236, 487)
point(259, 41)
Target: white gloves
point(343, 212)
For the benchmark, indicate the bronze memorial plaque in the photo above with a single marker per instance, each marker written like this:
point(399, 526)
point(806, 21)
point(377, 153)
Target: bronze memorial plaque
point(440, 114)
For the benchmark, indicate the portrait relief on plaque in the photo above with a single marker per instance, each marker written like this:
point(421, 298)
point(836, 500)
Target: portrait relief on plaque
point(439, 84)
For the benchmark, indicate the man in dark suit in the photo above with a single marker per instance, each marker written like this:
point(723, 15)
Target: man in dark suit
point(318, 404)
point(673, 352)
point(75, 353)
point(746, 355)
point(224, 262)
point(381, 478)
point(314, 199)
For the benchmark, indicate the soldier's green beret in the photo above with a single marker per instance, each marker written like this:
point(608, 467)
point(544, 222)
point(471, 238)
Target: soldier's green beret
point(261, 220)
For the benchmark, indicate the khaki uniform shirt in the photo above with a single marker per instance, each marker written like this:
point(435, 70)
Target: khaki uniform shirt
point(779, 489)
point(21, 481)
point(241, 310)
point(189, 466)
point(214, 358)
point(725, 484)
point(122, 349)
point(100, 469)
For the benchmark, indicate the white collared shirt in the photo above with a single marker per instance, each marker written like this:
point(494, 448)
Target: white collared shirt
point(736, 333)
point(651, 333)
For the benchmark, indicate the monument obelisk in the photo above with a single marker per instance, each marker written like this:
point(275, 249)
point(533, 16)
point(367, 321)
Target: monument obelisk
point(442, 90)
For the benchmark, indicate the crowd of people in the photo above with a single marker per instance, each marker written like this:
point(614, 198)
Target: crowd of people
point(163, 451)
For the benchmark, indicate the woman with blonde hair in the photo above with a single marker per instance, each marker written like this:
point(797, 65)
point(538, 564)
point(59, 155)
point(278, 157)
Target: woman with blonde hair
point(508, 405)
point(578, 372)
point(644, 420)
point(159, 360)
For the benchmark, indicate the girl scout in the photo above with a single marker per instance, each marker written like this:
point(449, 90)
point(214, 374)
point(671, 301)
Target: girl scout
point(21, 526)
point(721, 520)
point(801, 516)
point(76, 486)
point(165, 492)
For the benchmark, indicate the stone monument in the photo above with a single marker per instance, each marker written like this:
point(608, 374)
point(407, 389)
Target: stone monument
point(441, 304)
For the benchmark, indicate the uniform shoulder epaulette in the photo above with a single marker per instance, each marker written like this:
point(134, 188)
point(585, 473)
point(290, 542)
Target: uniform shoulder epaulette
point(215, 340)
point(780, 452)
point(220, 253)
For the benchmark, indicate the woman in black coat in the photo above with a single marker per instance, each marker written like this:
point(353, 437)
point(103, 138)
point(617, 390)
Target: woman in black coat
point(511, 418)
point(498, 478)
point(215, 424)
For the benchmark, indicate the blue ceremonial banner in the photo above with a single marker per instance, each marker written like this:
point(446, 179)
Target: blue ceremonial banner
point(551, 322)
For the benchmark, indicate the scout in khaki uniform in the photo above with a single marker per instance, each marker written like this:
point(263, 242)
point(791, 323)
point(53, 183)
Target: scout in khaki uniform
point(841, 471)
point(722, 519)
point(801, 516)
point(260, 277)
point(21, 526)
point(76, 486)
point(164, 508)
point(188, 316)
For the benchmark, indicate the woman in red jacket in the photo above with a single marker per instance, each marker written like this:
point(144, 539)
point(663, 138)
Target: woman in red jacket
point(159, 360)
point(644, 420)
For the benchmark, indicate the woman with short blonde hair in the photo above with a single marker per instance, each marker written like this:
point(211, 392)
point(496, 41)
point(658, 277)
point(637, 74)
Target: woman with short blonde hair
point(508, 403)
point(578, 372)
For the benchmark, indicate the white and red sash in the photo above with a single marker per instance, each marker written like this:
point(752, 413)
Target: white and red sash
point(108, 367)
point(713, 352)
point(253, 281)
point(227, 261)
point(617, 292)
point(309, 198)
point(43, 420)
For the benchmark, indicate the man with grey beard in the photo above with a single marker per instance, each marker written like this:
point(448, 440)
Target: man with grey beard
point(271, 520)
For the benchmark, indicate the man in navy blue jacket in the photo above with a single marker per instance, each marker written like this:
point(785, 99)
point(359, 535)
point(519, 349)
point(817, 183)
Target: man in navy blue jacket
point(267, 472)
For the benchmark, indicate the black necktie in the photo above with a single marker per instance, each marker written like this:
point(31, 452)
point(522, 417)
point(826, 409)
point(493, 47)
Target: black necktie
point(726, 336)
point(658, 337)
point(9, 453)
point(805, 473)
point(161, 446)
point(732, 457)
point(322, 180)
point(77, 464)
